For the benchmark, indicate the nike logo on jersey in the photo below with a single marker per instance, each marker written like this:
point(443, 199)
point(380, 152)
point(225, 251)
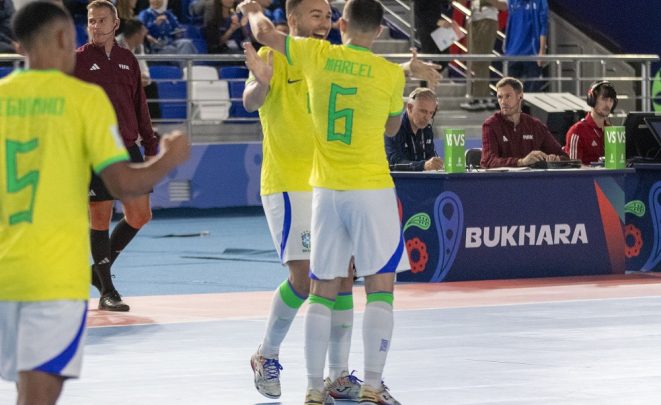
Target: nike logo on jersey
point(290, 81)
point(505, 139)
point(95, 67)
point(594, 143)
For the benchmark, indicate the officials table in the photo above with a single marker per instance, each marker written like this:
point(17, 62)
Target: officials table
point(492, 225)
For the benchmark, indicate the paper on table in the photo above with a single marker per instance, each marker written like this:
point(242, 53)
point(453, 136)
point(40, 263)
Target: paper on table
point(444, 37)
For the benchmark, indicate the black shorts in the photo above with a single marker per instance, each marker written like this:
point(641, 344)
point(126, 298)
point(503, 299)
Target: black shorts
point(98, 190)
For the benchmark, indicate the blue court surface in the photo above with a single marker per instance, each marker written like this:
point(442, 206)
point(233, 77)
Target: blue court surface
point(200, 284)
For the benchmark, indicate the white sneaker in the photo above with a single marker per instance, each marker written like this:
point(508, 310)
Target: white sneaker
point(346, 386)
point(267, 375)
point(376, 396)
point(316, 397)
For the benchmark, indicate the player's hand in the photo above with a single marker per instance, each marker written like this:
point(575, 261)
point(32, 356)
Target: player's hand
point(533, 157)
point(426, 71)
point(175, 147)
point(435, 163)
point(260, 68)
point(248, 6)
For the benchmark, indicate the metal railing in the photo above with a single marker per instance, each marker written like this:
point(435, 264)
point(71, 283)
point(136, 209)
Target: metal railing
point(578, 83)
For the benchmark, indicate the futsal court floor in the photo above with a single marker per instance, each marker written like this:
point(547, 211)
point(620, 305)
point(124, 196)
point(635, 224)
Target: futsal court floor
point(200, 286)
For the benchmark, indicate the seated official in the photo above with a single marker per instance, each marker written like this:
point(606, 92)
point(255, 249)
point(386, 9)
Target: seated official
point(412, 149)
point(511, 138)
point(585, 139)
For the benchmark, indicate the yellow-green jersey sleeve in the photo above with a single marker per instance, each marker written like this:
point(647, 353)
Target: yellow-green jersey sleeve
point(288, 129)
point(396, 100)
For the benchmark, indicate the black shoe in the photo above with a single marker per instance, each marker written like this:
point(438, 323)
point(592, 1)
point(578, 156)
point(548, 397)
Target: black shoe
point(112, 302)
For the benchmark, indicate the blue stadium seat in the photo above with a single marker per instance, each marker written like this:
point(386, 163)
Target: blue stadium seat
point(169, 91)
point(236, 75)
point(5, 70)
point(160, 72)
point(81, 35)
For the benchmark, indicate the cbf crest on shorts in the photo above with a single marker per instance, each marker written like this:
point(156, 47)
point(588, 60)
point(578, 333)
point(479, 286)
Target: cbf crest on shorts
point(305, 240)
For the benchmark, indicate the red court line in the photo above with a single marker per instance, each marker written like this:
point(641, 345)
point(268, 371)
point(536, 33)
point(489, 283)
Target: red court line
point(242, 305)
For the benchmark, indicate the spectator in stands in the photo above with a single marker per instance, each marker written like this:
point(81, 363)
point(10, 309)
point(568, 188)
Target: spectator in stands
point(585, 139)
point(482, 28)
point(527, 30)
point(427, 14)
point(125, 12)
point(164, 30)
point(513, 138)
point(413, 146)
point(6, 36)
point(133, 39)
point(223, 29)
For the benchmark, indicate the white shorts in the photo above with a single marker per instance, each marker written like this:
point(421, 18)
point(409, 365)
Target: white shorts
point(288, 215)
point(362, 223)
point(42, 336)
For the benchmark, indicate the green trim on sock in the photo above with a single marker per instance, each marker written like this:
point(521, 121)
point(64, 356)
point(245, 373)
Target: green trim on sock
point(343, 302)
point(315, 299)
point(380, 296)
point(289, 297)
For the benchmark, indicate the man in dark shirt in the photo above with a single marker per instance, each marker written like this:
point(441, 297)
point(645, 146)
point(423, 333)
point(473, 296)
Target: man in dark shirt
point(513, 138)
point(413, 146)
point(102, 61)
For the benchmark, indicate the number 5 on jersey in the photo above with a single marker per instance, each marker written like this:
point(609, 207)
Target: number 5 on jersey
point(334, 115)
point(16, 183)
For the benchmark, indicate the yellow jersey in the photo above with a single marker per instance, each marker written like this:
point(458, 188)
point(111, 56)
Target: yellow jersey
point(53, 128)
point(352, 94)
point(288, 130)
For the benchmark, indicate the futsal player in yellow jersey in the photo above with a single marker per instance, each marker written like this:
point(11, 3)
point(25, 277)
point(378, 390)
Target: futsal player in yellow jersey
point(52, 129)
point(279, 91)
point(355, 97)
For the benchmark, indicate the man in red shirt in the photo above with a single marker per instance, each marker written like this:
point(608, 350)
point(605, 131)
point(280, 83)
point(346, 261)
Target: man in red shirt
point(585, 139)
point(102, 61)
point(513, 138)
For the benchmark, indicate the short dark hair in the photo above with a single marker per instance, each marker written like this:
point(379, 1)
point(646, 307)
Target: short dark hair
point(104, 4)
point(131, 27)
point(291, 6)
point(33, 18)
point(510, 81)
point(604, 89)
point(363, 15)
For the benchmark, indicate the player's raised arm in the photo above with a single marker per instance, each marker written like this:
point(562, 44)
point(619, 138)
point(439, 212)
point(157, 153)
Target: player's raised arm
point(261, 27)
point(258, 85)
point(125, 180)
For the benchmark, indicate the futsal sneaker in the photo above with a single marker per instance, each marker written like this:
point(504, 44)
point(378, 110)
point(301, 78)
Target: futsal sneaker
point(267, 375)
point(346, 386)
point(373, 396)
point(316, 397)
point(112, 301)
